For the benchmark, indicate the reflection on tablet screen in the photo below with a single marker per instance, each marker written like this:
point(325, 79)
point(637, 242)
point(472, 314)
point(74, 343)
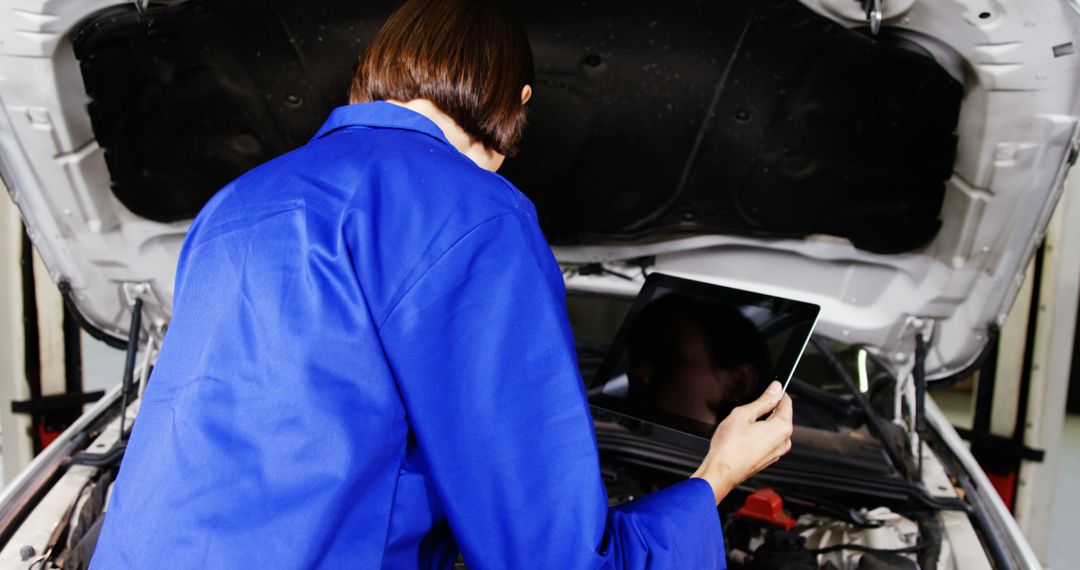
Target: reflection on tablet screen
point(689, 352)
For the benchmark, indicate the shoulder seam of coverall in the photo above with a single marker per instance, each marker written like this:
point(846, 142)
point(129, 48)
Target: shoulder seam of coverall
point(419, 278)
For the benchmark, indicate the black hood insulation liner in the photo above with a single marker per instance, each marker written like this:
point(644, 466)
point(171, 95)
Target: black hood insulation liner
point(748, 117)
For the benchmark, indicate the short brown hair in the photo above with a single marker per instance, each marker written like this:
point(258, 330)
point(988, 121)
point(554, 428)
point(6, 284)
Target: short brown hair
point(471, 58)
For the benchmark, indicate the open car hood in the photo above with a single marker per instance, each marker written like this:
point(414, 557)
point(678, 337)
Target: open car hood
point(902, 180)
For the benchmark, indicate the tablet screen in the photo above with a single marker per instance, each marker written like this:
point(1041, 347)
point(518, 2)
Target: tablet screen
point(689, 352)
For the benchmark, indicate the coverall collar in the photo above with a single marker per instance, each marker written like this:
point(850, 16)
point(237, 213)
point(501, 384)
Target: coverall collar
point(382, 115)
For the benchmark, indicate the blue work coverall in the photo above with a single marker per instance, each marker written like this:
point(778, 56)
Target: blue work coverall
point(370, 366)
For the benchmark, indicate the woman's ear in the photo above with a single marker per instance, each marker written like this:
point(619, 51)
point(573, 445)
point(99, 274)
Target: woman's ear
point(526, 94)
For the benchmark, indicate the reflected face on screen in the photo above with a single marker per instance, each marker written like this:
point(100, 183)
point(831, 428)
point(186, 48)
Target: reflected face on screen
point(695, 359)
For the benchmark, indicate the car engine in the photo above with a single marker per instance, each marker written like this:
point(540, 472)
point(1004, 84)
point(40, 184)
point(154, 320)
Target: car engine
point(765, 533)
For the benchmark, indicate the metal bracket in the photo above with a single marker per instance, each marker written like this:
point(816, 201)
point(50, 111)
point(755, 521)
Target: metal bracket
point(601, 269)
point(1002, 446)
point(137, 290)
point(57, 402)
point(902, 352)
point(874, 13)
point(915, 326)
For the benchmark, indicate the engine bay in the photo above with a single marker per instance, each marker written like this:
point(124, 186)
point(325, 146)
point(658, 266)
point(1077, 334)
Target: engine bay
point(814, 509)
point(849, 494)
point(767, 523)
point(766, 529)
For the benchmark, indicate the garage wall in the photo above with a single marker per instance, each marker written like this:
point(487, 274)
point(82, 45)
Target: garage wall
point(16, 446)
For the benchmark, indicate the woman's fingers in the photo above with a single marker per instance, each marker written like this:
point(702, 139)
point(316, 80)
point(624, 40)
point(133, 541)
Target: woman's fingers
point(783, 410)
point(765, 403)
point(781, 418)
point(780, 422)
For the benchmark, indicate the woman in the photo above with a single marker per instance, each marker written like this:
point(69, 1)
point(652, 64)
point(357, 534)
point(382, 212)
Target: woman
point(369, 363)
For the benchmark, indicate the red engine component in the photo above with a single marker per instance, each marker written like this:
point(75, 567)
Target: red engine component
point(767, 506)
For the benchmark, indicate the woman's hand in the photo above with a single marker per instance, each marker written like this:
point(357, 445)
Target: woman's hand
point(742, 445)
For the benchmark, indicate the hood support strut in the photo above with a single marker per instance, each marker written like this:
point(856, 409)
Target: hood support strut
point(129, 363)
point(919, 376)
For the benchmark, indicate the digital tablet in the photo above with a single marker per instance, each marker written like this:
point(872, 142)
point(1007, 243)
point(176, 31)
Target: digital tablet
point(689, 352)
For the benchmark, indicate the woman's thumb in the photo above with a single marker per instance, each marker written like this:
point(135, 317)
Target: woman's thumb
point(767, 401)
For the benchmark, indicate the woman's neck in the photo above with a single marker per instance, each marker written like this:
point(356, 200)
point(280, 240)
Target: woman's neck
point(483, 156)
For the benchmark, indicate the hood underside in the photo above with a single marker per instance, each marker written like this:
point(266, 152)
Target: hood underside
point(901, 180)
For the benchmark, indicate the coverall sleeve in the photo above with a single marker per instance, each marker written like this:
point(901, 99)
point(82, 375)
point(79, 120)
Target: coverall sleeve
point(486, 366)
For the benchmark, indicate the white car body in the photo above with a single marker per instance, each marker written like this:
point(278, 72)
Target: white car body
point(1017, 135)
